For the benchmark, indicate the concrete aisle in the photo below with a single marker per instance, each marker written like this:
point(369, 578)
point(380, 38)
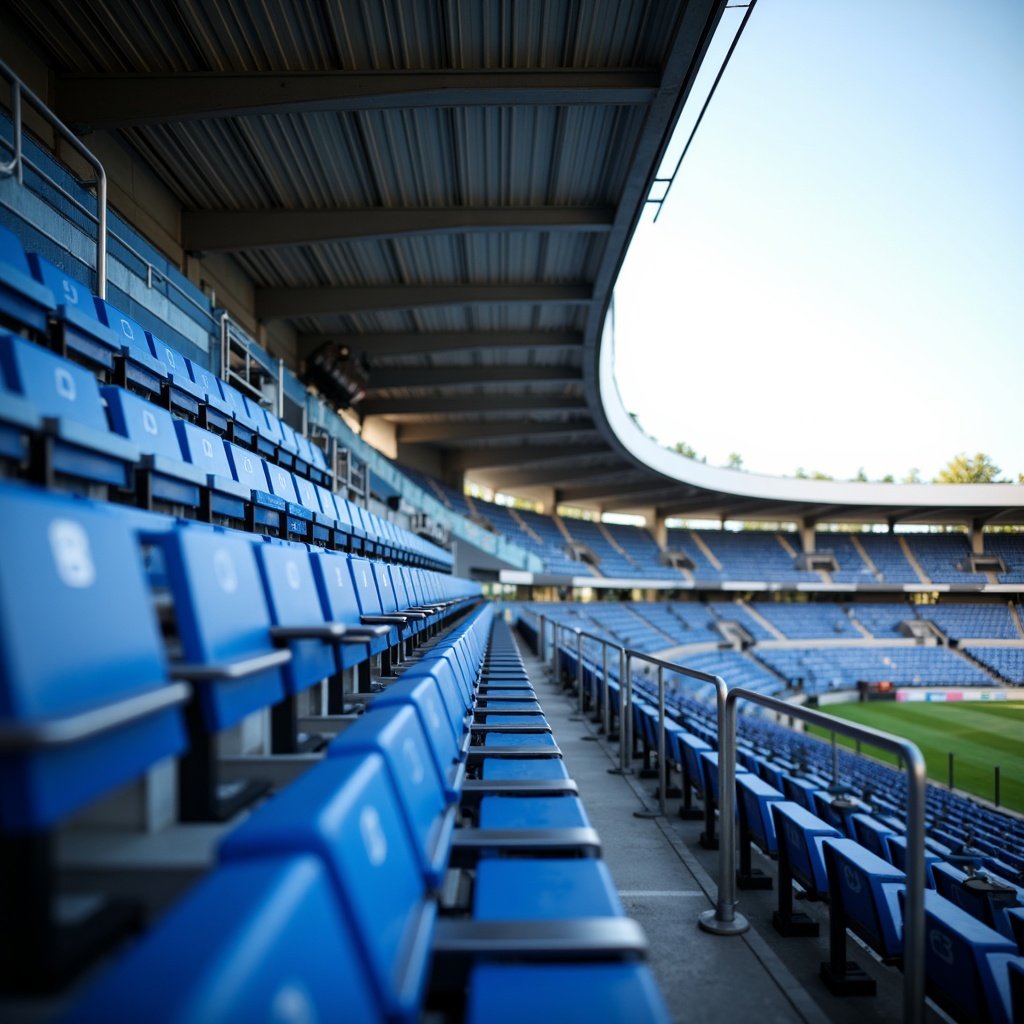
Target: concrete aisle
point(666, 880)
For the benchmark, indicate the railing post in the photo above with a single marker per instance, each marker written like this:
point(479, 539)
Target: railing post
point(662, 769)
point(724, 920)
point(579, 670)
point(606, 721)
point(624, 715)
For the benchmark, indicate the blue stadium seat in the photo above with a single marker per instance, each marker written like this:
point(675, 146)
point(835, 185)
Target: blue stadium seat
point(555, 993)
point(298, 621)
point(754, 798)
point(344, 812)
point(77, 331)
point(20, 422)
point(261, 940)
point(85, 706)
point(221, 623)
point(162, 477)
point(966, 963)
point(800, 837)
point(137, 367)
point(223, 499)
point(863, 894)
point(265, 512)
point(76, 443)
point(298, 520)
point(25, 304)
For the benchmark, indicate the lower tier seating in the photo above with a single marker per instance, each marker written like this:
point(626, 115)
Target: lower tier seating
point(427, 865)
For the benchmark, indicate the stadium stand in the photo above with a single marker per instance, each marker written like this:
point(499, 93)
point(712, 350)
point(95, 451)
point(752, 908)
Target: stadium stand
point(220, 649)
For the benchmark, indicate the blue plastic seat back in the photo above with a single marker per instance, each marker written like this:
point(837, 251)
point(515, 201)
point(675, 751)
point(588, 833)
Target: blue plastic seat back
point(270, 425)
point(203, 449)
point(965, 962)
point(279, 482)
point(239, 406)
point(246, 467)
point(800, 831)
point(866, 885)
point(222, 616)
point(204, 380)
point(148, 425)
point(305, 449)
point(319, 458)
point(12, 254)
point(258, 941)
point(365, 586)
point(385, 591)
point(77, 631)
point(756, 796)
point(308, 496)
point(131, 333)
point(348, 514)
point(328, 505)
point(55, 386)
point(66, 290)
point(289, 438)
point(397, 735)
point(422, 693)
point(334, 583)
point(455, 706)
point(345, 812)
point(402, 595)
point(22, 297)
point(177, 365)
point(293, 600)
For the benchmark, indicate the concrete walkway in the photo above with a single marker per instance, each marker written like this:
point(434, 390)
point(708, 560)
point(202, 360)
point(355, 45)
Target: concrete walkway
point(666, 880)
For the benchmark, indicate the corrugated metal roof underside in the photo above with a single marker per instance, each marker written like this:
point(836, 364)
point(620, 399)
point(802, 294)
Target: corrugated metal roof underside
point(307, 35)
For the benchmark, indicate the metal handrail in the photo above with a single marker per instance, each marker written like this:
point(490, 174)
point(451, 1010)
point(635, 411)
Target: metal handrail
point(724, 920)
point(20, 92)
point(705, 677)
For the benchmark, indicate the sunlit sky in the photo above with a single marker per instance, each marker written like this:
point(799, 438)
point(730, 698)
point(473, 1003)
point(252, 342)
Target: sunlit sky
point(835, 280)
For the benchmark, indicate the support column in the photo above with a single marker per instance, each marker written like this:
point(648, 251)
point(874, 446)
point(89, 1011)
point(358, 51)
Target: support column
point(548, 500)
point(656, 526)
point(807, 535)
point(976, 535)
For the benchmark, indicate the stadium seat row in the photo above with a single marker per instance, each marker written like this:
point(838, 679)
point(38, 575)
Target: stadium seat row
point(59, 428)
point(43, 301)
point(437, 860)
point(129, 637)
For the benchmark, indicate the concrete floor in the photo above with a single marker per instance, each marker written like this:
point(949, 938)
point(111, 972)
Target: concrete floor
point(665, 880)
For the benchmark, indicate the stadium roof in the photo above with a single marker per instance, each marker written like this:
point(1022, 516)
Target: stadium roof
point(447, 189)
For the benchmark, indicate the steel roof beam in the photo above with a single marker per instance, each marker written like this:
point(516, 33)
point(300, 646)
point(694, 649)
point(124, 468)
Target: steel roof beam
point(239, 230)
point(117, 101)
point(414, 344)
point(468, 404)
point(452, 376)
point(448, 430)
point(517, 455)
point(334, 301)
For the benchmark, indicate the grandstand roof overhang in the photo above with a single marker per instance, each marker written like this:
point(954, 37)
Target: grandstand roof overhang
point(448, 191)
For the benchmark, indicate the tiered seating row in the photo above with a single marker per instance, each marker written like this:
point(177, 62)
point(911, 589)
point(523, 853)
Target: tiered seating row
point(102, 406)
point(128, 637)
point(437, 861)
point(846, 844)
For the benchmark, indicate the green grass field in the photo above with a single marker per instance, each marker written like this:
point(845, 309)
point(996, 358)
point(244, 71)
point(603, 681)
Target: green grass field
point(980, 735)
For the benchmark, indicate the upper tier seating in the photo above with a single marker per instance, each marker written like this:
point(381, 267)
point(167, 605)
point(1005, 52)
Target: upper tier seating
point(940, 556)
point(888, 558)
point(843, 667)
point(808, 621)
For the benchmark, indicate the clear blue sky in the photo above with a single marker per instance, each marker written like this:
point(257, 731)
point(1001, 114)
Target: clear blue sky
point(836, 280)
